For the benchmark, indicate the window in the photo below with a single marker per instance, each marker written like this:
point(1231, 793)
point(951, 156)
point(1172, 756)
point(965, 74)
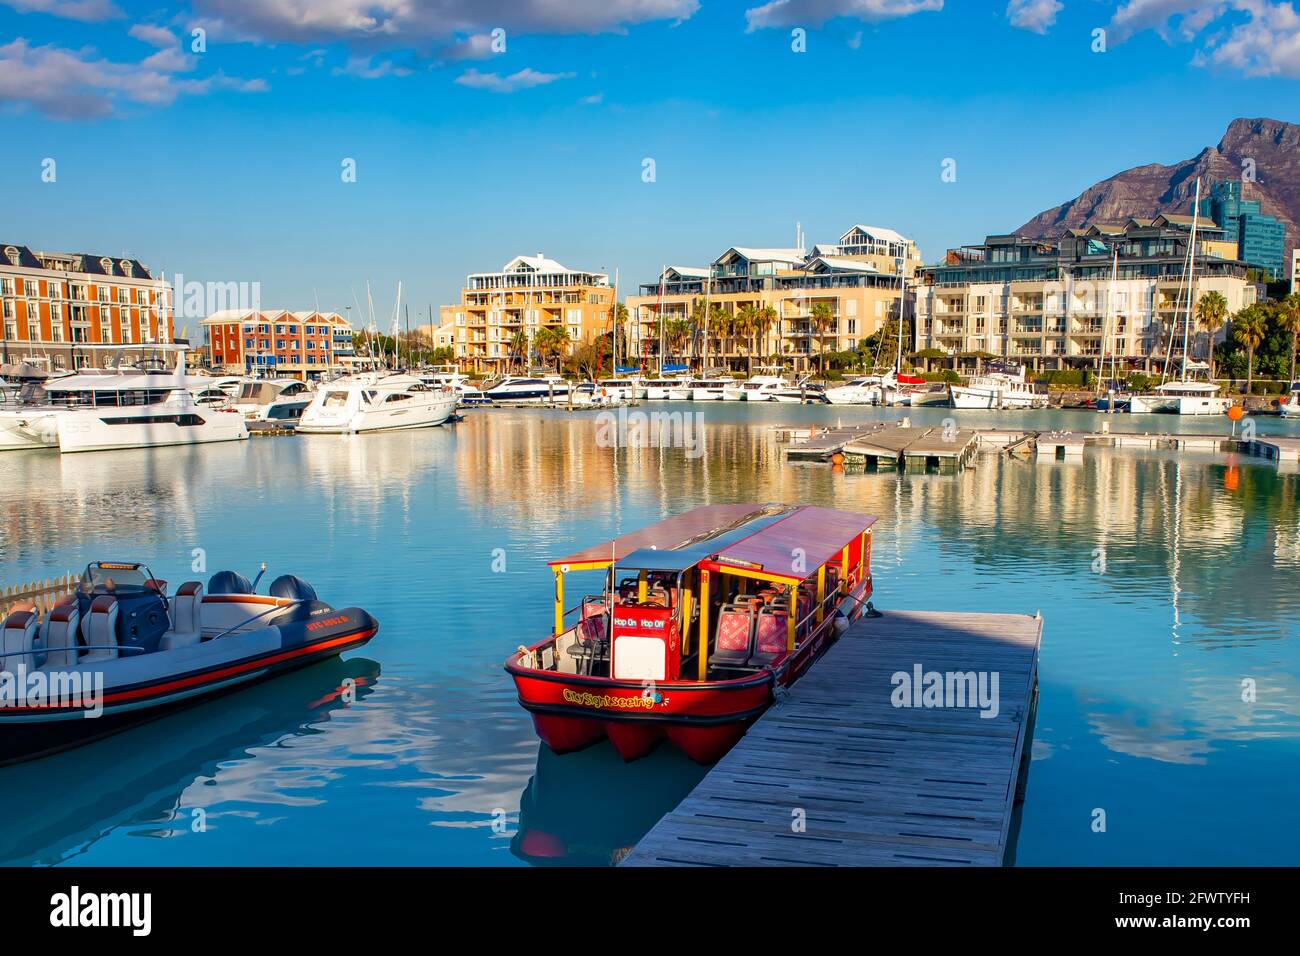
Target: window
point(126, 328)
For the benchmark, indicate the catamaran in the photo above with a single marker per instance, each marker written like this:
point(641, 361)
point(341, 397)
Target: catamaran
point(708, 389)
point(701, 619)
point(122, 650)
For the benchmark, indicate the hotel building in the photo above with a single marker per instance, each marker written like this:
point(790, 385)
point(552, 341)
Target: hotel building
point(499, 312)
point(54, 303)
point(861, 279)
point(1049, 303)
point(1261, 239)
point(301, 345)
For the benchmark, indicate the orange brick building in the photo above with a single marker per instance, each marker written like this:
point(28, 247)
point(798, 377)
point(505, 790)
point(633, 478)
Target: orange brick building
point(277, 343)
point(55, 302)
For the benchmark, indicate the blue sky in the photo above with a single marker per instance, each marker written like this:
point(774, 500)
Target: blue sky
point(226, 164)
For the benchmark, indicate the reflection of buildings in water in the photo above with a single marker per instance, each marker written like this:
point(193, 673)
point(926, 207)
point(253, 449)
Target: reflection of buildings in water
point(154, 775)
point(54, 502)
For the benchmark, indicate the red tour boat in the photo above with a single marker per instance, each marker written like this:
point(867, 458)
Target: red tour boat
point(702, 617)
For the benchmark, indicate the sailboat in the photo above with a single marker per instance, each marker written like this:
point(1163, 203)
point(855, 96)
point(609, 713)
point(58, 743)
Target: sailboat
point(1185, 396)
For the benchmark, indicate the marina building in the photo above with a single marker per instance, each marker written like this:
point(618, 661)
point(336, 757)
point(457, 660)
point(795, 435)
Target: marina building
point(53, 303)
point(499, 314)
point(302, 345)
point(1052, 304)
point(771, 301)
point(1261, 239)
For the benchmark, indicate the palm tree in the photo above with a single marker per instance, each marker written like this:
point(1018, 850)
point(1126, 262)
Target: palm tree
point(1289, 315)
point(699, 321)
point(517, 347)
point(553, 343)
point(822, 320)
point(764, 320)
point(722, 326)
point(746, 322)
point(676, 332)
point(1211, 310)
point(1248, 327)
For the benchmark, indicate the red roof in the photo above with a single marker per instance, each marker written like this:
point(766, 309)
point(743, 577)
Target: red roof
point(795, 546)
point(669, 533)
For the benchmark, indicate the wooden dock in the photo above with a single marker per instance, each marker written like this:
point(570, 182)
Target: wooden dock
point(821, 443)
point(837, 775)
point(915, 449)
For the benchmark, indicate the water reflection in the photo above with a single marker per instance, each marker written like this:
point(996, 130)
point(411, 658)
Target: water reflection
point(1166, 582)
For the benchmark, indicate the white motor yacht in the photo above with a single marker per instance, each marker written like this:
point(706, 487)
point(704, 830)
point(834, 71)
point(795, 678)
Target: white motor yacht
point(759, 387)
point(1291, 407)
point(999, 389)
point(522, 389)
point(1181, 398)
point(256, 394)
point(708, 389)
point(376, 402)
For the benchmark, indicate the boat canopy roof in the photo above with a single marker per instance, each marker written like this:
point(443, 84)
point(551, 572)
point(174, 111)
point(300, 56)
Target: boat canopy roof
point(782, 543)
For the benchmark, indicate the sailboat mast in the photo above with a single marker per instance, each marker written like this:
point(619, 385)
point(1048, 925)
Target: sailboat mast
point(1191, 275)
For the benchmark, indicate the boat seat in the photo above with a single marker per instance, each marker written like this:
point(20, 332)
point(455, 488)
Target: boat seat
point(101, 631)
point(221, 612)
point(593, 609)
point(735, 638)
point(59, 634)
point(18, 640)
point(187, 617)
point(770, 635)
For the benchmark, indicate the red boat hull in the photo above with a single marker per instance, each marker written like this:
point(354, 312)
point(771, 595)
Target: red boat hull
point(702, 719)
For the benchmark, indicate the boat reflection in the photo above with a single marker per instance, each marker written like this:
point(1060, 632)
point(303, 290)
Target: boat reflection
point(590, 808)
point(139, 778)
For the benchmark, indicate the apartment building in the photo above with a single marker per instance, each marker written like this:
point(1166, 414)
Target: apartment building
point(302, 345)
point(1260, 238)
point(863, 279)
point(500, 313)
point(55, 303)
point(1053, 304)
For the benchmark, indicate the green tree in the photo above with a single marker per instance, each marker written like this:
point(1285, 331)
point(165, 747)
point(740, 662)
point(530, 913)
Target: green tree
point(1289, 319)
point(746, 322)
point(764, 319)
point(1211, 310)
point(1248, 328)
point(552, 343)
point(822, 319)
point(517, 347)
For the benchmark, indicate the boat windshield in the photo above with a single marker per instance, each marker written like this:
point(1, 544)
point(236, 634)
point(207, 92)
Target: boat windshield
point(105, 578)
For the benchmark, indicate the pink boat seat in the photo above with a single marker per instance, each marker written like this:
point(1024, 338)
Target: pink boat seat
point(770, 635)
point(18, 639)
point(734, 641)
point(59, 634)
point(101, 629)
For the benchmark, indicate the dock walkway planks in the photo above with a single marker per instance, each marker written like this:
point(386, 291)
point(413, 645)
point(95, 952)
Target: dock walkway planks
point(877, 784)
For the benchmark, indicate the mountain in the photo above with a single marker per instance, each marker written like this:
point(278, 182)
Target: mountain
point(1147, 191)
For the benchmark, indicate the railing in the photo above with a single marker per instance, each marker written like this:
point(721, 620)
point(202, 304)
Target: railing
point(44, 594)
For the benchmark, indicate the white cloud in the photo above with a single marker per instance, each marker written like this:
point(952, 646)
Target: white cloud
point(1037, 16)
point(160, 37)
point(413, 21)
point(475, 47)
point(1257, 37)
point(368, 69)
point(813, 13)
point(524, 79)
point(595, 99)
point(79, 84)
point(90, 11)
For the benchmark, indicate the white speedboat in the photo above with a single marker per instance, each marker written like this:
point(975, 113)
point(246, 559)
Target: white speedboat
point(998, 390)
point(256, 394)
point(1291, 407)
point(802, 393)
point(757, 388)
point(1181, 398)
point(520, 389)
point(708, 389)
point(865, 390)
point(372, 403)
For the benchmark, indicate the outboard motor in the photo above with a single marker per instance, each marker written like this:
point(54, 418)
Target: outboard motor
point(293, 588)
point(229, 582)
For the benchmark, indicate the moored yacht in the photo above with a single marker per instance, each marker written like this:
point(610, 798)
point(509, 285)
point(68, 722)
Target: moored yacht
point(708, 389)
point(863, 390)
point(256, 394)
point(759, 387)
point(1181, 398)
point(466, 392)
point(1001, 388)
point(1291, 406)
point(373, 402)
point(520, 389)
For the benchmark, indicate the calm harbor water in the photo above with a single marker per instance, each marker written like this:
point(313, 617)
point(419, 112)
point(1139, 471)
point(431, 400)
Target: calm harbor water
point(1165, 580)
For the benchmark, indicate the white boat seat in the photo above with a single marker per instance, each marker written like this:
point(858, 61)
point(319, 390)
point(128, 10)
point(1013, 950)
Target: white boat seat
point(101, 631)
point(59, 635)
point(17, 639)
point(221, 612)
point(187, 617)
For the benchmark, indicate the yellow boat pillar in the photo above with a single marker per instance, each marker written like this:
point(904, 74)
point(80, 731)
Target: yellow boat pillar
point(791, 622)
point(559, 602)
point(821, 593)
point(704, 626)
point(642, 587)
